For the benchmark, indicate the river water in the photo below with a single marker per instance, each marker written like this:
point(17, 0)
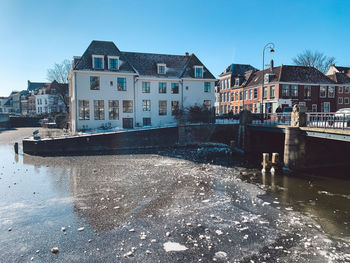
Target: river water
point(166, 206)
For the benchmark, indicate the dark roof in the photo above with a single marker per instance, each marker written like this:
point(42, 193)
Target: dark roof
point(237, 69)
point(343, 69)
point(54, 84)
point(105, 48)
point(292, 74)
point(143, 64)
point(32, 86)
point(340, 78)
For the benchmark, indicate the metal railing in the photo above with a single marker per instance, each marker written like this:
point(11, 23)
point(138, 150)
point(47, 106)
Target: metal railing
point(271, 119)
point(328, 120)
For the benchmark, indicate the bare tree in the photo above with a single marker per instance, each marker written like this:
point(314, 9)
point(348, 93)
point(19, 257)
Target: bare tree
point(314, 59)
point(60, 72)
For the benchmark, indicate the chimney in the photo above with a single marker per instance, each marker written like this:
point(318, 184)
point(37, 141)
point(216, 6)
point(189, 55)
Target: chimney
point(187, 54)
point(271, 64)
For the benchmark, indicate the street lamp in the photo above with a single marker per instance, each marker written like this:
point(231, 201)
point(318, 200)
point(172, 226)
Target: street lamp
point(270, 46)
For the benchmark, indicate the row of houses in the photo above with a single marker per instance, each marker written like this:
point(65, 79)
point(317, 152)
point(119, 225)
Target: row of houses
point(244, 87)
point(39, 98)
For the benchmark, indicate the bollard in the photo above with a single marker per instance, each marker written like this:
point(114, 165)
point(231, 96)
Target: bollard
point(275, 163)
point(265, 162)
point(16, 147)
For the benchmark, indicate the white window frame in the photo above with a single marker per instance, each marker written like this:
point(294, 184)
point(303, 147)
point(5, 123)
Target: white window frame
point(347, 89)
point(325, 94)
point(236, 81)
point(195, 67)
point(161, 65)
point(340, 90)
point(324, 106)
point(93, 61)
point(346, 100)
point(330, 87)
point(340, 100)
point(113, 57)
point(314, 106)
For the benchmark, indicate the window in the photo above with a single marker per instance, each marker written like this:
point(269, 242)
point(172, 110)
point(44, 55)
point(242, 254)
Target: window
point(340, 89)
point(121, 84)
point(224, 97)
point(207, 104)
point(146, 87)
point(97, 61)
point(206, 86)
point(99, 109)
point(266, 78)
point(294, 91)
point(236, 95)
point(272, 92)
point(162, 107)
point(146, 122)
point(94, 83)
point(128, 106)
point(146, 105)
point(250, 94)
point(174, 107)
point(330, 92)
point(307, 92)
point(162, 87)
point(241, 95)
point(314, 108)
point(198, 72)
point(113, 109)
point(347, 89)
point(161, 68)
point(285, 91)
point(340, 100)
point(323, 91)
point(229, 83)
point(113, 63)
point(245, 95)
point(255, 93)
point(175, 88)
point(346, 100)
point(232, 96)
point(84, 110)
point(264, 92)
point(223, 84)
point(237, 82)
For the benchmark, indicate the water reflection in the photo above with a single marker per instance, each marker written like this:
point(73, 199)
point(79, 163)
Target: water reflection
point(327, 200)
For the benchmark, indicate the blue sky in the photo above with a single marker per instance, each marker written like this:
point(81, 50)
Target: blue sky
point(35, 33)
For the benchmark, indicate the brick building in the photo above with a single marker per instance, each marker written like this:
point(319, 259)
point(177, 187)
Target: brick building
point(341, 76)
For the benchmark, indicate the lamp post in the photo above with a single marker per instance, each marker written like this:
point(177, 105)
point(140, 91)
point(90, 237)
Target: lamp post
point(270, 46)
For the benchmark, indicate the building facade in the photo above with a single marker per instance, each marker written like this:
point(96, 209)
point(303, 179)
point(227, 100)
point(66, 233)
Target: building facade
point(111, 88)
point(282, 86)
point(48, 99)
point(341, 76)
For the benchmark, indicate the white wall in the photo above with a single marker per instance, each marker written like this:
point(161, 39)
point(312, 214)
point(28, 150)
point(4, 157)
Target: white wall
point(80, 90)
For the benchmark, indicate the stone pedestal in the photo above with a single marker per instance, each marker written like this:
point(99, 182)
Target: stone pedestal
point(294, 148)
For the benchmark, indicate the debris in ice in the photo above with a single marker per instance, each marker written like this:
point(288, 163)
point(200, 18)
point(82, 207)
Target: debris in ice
point(54, 250)
point(289, 208)
point(132, 230)
point(245, 237)
point(129, 254)
point(205, 201)
point(173, 246)
point(220, 255)
point(167, 234)
point(143, 236)
point(219, 232)
point(63, 229)
point(81, 229)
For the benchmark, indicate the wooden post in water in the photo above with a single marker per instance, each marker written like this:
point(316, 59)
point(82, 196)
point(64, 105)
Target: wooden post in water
point(265, 162)
point(16, 147)
point(275, 163)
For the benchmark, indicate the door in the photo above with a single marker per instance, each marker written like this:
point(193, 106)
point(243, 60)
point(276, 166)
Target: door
point(128, 123)
point(326, 107)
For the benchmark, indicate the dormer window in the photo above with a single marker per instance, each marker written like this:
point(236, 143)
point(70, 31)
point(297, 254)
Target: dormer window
point(113, 63)
point(198, 71)
point(266, 78)
point(161, 68)
point(237, 82)
point(97, 61)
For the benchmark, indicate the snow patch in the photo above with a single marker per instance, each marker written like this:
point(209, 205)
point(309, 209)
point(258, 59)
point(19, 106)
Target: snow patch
point(173, 246)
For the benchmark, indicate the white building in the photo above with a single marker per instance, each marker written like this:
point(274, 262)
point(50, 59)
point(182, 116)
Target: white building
point(111, 88)
point(48, 99)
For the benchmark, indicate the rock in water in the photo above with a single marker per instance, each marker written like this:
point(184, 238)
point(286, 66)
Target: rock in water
point(54, 250)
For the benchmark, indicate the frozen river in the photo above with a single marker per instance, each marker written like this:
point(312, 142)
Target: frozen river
point(165, 207)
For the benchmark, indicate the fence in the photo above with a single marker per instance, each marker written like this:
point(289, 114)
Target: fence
point(328, 120)
point(271, 119)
